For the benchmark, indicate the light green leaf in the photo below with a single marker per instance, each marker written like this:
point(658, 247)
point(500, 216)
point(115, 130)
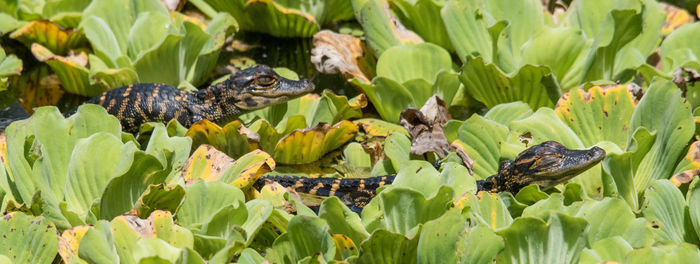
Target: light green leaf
point(531, 240)
point(439, 238)
point(28, 239)
point(204, 200)
point(619, 28)
point(405, 209)
point(609, 249)
point(342, 220)
point(306, 236)
point(562, 49)
point(677, 49)
point(423, 17)
point(482, 139)
point(661, 111)
point(385, 247)
point(534, 85)
point(481, 245)
point(94, 162)
point(667, 212)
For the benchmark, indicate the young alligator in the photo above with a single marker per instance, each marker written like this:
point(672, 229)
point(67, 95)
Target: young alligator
point(546, 165)
point(247, 90)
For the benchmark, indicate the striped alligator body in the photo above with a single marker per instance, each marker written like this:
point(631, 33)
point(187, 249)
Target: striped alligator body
point(546, 165)
point(247, 90)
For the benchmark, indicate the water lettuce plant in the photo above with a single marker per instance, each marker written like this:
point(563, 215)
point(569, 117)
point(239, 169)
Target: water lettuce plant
point(620, 75)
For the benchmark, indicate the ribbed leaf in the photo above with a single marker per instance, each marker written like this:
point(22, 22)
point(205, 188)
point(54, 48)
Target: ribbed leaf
point(534, 85)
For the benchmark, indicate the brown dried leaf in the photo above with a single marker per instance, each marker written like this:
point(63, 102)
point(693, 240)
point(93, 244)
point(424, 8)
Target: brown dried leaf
point(684, 177)
point(339, 53)
point(468, 161)
point(376, 152)
point(683, 76)
point(425, 127)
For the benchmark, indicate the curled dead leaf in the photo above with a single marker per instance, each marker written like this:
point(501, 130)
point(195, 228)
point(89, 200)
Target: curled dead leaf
point(426, 127)
point(466, 160)
point(684, 177)
point(684, 76)
point(339, 53)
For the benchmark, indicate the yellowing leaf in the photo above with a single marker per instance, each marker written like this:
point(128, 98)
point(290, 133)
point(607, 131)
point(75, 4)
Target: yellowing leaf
point(206, 163)
point(69, 242)
point(602, 113)
point(307, 145)
point(344, 246)
point(50, 35)
point(70, 70)
point(249, 168)
point(233, 139)
point(675, 17)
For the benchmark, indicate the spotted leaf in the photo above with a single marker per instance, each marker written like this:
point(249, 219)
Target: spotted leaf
point(307, 145)
point(600, 114)
point(28, 239)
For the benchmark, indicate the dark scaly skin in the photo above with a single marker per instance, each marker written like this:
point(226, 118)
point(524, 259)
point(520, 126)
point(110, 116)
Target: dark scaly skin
point(546, 165)
point(247, 90)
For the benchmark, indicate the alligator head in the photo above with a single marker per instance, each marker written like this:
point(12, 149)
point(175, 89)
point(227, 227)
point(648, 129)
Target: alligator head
point(260, 86)
point(547, 165)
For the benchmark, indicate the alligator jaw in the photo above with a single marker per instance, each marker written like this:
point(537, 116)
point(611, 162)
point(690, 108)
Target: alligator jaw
point(549, 164)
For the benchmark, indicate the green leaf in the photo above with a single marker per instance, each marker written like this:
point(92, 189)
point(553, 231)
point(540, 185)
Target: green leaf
point(122, 192)
point(9, 66)
point(389, 97)
point(531, 240)
point(534, 85)
point(661, 111)
point(609, 249)
point(417, 61)
point(94, 162)
point(439, 238)
point(677, 51)
point(693, 198)
point(405, 209)
point(28, 239)
point(682, 252)
point(97, 245)
point(619, 28)
point(387, 247)
point(341, 220)
point(488, 210)
point(204, 200)
point(423, 17)
point(281, 21)
point(562, 49)
point(505, 113)
point(306, 236)
point(482, 139)
point(382, 29)
point(667, 212)
point(468, 30)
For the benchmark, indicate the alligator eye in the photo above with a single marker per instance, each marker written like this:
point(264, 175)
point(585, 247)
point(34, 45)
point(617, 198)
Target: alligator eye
point(265, 80)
